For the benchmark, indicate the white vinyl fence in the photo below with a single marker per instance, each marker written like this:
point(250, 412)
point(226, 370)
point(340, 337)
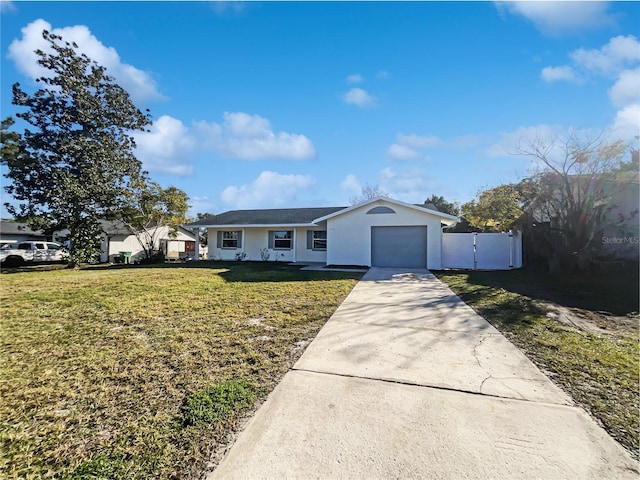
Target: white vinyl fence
point(482, 251)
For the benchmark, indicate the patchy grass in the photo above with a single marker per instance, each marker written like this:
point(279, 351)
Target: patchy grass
point(139, 372)
point(601, 373)
point(612, 289)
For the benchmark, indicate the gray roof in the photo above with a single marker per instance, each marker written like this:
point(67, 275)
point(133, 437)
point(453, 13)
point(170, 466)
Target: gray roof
point(274, 216)
point(114, 227)
point(11, 227)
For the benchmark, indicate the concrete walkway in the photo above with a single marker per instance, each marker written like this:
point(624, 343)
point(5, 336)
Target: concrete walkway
point(406, 381)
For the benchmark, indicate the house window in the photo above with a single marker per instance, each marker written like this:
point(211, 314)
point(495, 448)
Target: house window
point(282, 239)
point(378, 210)
point(230, 239)
point(319, 240)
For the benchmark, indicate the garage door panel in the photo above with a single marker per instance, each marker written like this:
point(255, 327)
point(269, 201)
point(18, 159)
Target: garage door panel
point(404, 247)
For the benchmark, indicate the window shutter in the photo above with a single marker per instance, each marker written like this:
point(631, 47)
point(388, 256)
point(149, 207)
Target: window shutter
point(240, 239)
point(219, 239)
point(271, 235)
point(309, 239)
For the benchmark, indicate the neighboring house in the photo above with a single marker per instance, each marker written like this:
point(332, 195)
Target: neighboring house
point(13, 232)
point(624, 240)
point(380, 232)
point(118, 238)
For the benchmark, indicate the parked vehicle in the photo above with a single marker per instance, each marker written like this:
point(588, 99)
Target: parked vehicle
point(24, 253)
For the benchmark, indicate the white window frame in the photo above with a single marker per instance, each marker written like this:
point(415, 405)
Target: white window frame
point(233, 237)
point(289, 239)
point(320, 240)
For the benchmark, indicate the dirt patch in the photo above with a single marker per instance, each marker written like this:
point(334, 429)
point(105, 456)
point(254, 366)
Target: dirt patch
point(601, 323)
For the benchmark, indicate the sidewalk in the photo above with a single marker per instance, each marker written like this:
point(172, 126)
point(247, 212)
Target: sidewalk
point(406, 381)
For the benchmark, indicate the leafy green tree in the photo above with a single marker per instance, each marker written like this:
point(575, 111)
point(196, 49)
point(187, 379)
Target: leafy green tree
point(494, 210)
point(149, 208)
point(75, 161)
point(9, 142)
point(443, 206)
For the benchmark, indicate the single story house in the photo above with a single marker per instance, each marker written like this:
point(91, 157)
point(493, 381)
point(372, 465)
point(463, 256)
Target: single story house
point(117, 237)
point(14, 232)
point(380, 232)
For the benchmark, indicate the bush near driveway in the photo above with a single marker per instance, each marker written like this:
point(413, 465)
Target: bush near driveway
point(600, 372)
point(99, 368)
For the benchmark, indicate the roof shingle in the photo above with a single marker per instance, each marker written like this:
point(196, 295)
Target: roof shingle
point(276, 216)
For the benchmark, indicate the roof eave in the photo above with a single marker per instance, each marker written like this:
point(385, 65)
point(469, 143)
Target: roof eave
point(259, 225)
point(445, 216)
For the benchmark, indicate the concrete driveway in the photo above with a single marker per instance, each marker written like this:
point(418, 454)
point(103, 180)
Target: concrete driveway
point(406, 381)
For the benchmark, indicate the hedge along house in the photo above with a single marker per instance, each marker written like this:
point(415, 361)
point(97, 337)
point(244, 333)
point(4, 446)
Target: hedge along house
point(381, 232)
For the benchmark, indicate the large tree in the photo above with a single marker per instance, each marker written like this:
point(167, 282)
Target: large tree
point(495, 209)
point(574, 192)
point(443, 205)
point(75, 160)
point(149, 208)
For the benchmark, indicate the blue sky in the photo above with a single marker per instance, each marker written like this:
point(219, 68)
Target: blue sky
point(260, 105)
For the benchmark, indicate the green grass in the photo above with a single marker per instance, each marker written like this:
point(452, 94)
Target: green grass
point(612, 289)
point(601, 373)
point(140, 372)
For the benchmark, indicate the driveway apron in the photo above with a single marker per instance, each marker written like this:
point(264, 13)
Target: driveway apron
point(406, 381)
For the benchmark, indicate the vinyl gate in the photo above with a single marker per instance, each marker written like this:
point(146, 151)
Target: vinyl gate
point(482, 251)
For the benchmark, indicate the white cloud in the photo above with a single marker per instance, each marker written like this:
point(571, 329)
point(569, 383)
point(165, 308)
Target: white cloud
point(232, 7)
point(627, 122)
point(510, 141)
point(250, 137)
point(613, 57)
point(355, 78)
point(618, 59)
point(7, 6)
point(407, 146)
point(402, 152)
point(555, 74)
point(626, 90)
point(418, 141)
point(382, 74)
point(359, 97)
point(138, 83)
point(270, 189)
point(166, 147)
point(351, 184)
point(553, 18)
point(410, 185)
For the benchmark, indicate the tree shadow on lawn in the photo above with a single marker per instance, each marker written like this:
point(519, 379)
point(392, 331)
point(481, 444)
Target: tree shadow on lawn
point(245, 271)
point(613, 289)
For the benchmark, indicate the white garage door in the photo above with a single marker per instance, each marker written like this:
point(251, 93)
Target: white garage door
point(404, 247)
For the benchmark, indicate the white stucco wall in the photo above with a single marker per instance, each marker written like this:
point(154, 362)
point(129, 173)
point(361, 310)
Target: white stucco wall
point(255, 239)
point(349, 234)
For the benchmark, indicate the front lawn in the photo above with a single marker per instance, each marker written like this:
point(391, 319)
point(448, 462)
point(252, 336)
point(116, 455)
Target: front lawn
point(141, 372)
point(600, 371)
